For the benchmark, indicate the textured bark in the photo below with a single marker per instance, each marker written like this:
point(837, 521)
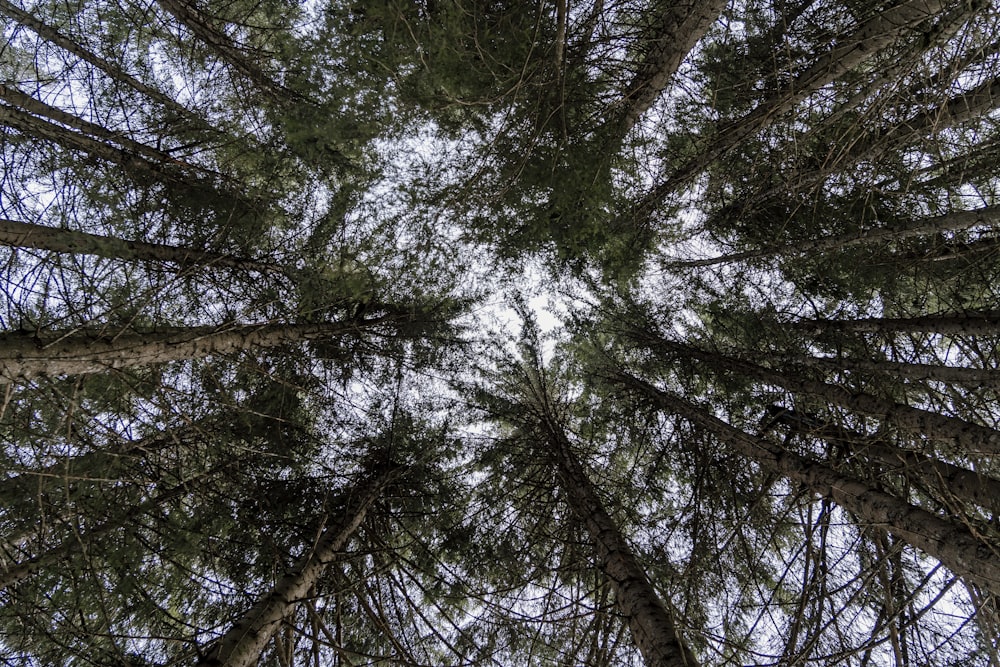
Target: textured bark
point(985, 323)
point(946, 480)
point(242, 645)
point(975, 378)
point(963, 253)
point(949, 542)
point(970, 437)
point(651, 623)
point(939, 35)
point(972, 105)
point(80, 352)
point(141, 167)
point(848, 52)
point(53, 239)
point(949, 222)
point(681, 28)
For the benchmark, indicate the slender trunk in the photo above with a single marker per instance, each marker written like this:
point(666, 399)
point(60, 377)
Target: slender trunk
point(945, 479)
point(949, 542)
point(242, 645)
point(52, 35)
point(22, 100)
point(971, 438)
point(81, 352)
point(681, 28)
point(650, 621)
point(940, 34)
point(72, 545)
point(978, 161)
point(139, 167)
point(949, 222)
point(848, 52)
point(959, 252)
point(54, 239)
point(975, 378)
point(200, 25)
point(986, 323)
point(560, 41)
point(946, 75)
point(971, 105)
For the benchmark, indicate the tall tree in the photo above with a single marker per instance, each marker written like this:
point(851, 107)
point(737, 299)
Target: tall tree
point(537, 409)
point(268, 240)
point(243, 644)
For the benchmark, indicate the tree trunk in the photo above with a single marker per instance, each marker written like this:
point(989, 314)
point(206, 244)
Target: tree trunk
point(139, 167)
point(651, 623)
point(963, 253)
point(54, 239)
point(940, 34)
point(949, 542)
point(80, 352)
point(681, 28)
point(971, 105)
point(970, 437)
point(975, 378)
point(949, 222)
point(242, 645)
point(52, 34)
point(22, 100)
point(985, 323)
point(945, 479)
point(200, 25)
point(850, 51)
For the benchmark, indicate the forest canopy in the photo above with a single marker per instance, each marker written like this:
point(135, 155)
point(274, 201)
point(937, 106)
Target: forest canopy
point(610, 332)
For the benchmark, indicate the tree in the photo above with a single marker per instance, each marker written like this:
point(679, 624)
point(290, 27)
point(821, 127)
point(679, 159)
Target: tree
point(242, 645)
point(537, 409)
point(262, 400)
point(77, 352)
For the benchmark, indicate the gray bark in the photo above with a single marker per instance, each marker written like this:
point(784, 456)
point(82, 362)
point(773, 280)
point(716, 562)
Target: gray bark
point(975, 378)
point(54, 239)
point(847, 53)
point(54, 36)
point(949, 542)
point(242, 645)
point(970, 437)
point(651, 623)
point(957, 221)
point(682, 26)
point(944, 479)
point(22, 100)
point(80, 352)
point(962, 108)
point(201, 26)
point(40, 128)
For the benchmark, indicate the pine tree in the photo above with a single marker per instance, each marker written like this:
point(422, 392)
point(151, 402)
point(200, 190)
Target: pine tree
point(262, 400)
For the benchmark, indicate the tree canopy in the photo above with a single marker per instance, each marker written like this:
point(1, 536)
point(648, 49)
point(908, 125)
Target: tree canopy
point(619, 332)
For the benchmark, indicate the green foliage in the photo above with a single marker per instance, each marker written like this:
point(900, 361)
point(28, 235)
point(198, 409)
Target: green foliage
point(417, 175)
